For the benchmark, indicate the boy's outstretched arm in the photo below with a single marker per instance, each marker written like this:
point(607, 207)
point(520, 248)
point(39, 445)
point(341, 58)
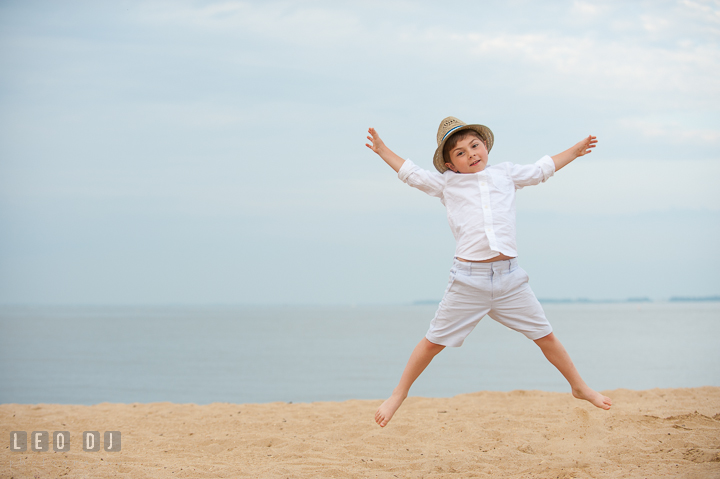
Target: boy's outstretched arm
point(581, 149)
point(377, 145)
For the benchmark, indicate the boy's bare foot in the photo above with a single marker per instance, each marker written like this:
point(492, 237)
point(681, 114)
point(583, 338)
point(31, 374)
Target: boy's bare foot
point(593, 397)
point(387, 409)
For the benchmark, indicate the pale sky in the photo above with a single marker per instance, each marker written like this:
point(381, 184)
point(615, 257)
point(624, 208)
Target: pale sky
point(213, 152)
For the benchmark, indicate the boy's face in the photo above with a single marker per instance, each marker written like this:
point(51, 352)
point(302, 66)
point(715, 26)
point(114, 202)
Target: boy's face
point(469, 156)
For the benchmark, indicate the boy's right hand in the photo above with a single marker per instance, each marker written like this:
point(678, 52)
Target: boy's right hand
point(376, 144)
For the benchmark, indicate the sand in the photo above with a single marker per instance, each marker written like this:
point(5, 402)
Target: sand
point(523, 434)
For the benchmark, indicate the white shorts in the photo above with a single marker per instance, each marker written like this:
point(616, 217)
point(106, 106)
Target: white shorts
point(499, 289)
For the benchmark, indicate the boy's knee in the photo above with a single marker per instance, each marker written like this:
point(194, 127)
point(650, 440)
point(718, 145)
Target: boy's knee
point(433, 347)
point(545, 339)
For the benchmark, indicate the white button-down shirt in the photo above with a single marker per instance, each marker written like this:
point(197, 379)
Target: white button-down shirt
point(480, 206)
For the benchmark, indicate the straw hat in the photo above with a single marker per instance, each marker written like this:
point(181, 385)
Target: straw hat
point(448, 127)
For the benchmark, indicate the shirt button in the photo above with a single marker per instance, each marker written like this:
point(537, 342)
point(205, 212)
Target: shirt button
point(485, 206)
point(482, 184)
point(489, 230)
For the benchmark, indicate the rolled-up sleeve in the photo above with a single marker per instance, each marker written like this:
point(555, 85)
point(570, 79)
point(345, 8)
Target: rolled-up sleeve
point(528, 175)
point(428, 182)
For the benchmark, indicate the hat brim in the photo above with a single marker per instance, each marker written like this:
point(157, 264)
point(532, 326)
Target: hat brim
point(484, 132)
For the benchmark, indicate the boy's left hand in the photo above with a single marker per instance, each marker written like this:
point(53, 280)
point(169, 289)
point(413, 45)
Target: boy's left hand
point(581, 149)
point(584, 147)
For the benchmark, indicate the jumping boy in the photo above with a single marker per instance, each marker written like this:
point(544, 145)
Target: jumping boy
point(485, 277)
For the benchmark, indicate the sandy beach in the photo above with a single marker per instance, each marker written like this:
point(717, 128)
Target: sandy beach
point(653, 433)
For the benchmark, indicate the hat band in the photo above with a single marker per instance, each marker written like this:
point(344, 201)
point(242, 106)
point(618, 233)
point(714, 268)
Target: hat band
point(450, 131)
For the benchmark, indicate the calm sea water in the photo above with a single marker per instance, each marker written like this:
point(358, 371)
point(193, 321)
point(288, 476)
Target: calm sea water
point(88, 355)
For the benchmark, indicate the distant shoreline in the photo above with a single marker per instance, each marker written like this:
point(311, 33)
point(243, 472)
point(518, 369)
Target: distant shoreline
point(674, 299)
point(701, 298)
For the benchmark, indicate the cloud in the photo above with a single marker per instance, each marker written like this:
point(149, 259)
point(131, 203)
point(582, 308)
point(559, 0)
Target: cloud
point(707, 9)
point(670, 132)
point(663, 48)
point(301, 24)
point(591, 64)
point(621, 187)
point(587, 8)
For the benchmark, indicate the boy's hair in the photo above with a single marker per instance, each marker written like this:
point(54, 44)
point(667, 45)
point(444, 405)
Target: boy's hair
point(453, 141)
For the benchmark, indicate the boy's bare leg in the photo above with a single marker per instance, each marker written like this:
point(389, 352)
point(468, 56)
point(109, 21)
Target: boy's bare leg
point(421, 356)
point(554, 351)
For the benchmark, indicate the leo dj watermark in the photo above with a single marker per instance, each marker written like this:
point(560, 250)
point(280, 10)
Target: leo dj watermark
point(40, 441)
